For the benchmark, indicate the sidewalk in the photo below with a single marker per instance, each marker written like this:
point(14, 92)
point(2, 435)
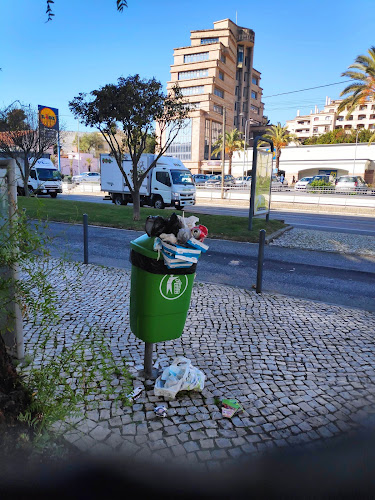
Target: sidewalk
point(303, 371)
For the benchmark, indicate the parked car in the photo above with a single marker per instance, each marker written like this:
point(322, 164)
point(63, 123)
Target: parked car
point(350, 183)
point(276, 184)
point(303, 183)
point(243, 181)
point(200, 179)
point(215, 181)
point(86, 177)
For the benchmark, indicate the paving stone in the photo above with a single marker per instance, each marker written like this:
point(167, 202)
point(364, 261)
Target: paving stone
point(191, 446)
point(100, 433)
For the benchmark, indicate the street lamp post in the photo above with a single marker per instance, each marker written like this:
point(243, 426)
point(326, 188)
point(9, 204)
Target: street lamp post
point(355, 150)
point(244, 146)
point(223, 159)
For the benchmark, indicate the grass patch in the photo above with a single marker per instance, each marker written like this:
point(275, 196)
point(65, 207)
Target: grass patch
point(100, 214)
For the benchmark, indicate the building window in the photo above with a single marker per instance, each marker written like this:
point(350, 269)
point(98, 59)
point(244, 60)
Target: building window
point(361, 117)
point(340, 118)
point(223, 59)
point(207, 140)
point(187, 75)
point(255, 109)
point(360, 126)
point(244, 105)
point(219, 92)
point(328, 117)
point(204, 41)
point(221, 75)
point(236, 91)
point(326, 129)
point(338, 127)
point(238, 75)
point(254, 80)
point(235, 121)
point(347, 127)
point(218, 109)
point(245, 90)
point(254, 95)
point(316, 118)
point(201, 56)
point(194, 105)
point(350, 117)
point(240, 54)
point(215, 134)
point(192, 90)
point(372, 117)
point(362, 107)
point(315, 130)
point(181, 146)
point(235, 106)
point(331, 110)
point(372, 126)
point(245, 75)
point(373, 106)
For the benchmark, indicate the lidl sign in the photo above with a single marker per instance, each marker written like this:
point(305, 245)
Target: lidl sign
point(48, 118)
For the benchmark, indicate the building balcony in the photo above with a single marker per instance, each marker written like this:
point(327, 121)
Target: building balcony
point(245, 37)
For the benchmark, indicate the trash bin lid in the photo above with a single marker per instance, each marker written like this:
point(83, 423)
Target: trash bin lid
point(145, 246)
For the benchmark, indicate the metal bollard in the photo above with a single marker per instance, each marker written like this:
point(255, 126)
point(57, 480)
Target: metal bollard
point(85, 240)
point(262, 239)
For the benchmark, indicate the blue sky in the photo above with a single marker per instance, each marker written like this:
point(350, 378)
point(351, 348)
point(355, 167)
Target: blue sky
point(301, 44)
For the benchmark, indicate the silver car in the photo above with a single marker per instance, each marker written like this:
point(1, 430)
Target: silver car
point(350, 183)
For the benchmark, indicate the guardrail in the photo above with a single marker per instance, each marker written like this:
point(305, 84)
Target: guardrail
point(83, 187)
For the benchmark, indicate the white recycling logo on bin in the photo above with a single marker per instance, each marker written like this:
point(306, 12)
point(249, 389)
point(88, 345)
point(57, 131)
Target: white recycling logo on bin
point(172, 287)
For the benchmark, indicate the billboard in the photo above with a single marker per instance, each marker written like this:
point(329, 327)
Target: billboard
point(263, 181)
point(48, 118)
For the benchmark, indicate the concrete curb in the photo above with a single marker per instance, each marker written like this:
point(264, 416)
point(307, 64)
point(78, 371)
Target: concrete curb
point(277, 233)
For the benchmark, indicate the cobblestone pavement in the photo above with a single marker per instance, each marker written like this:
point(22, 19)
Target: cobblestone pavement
point(311, 239)
point(303, 371)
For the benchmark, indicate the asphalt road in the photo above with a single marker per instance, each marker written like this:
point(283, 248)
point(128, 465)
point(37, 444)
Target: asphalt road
point(323, 222)
point(328, 277)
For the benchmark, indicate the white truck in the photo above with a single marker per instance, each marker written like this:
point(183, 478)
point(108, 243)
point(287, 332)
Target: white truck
point(169, 182)
point(44, 178)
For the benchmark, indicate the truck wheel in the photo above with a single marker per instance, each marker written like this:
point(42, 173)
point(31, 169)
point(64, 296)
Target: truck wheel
point(31, 191)
point(158, 203)
point(117, 200)
point(53, 195)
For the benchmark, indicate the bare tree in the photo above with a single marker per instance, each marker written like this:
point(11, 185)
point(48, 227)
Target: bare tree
point(21, 139)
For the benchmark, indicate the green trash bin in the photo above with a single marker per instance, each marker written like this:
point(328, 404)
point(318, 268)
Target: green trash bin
point(159, 297)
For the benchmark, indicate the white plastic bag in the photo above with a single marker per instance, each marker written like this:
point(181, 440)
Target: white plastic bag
point(181, 375)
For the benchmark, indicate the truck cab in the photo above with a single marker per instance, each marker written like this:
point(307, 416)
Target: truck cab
point(172, 184)
point(44, 178)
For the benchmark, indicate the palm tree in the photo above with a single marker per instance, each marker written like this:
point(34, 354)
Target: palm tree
point(233, 143)
point(281, 137)
point(362, 89)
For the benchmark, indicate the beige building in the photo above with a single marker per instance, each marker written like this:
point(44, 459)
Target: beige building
point(214, 73)
point(319, 122)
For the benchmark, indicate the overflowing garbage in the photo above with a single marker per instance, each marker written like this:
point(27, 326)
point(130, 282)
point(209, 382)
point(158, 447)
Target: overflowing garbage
point(181, 375)
point(178, 239)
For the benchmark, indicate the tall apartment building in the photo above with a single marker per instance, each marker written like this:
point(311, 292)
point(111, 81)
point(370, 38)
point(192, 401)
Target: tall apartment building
point(328, 119)
point(214, 73)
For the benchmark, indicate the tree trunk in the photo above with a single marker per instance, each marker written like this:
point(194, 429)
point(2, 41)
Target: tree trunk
point(136, 204)
point(26, 188)
point(278, 154)
point(230, 164)
point(14, 397)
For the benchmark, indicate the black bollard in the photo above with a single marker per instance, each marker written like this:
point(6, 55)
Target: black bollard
point(85, 240)
point(262, 239)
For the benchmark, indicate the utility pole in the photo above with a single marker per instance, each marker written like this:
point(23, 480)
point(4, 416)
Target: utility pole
point(223, 157)
point(79, 163)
